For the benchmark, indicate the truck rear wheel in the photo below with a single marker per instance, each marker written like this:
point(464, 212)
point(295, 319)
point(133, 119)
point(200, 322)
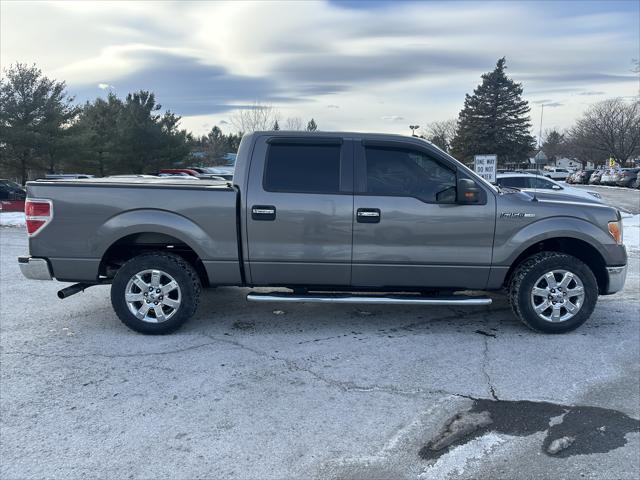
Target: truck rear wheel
point(553, 292)
point(155, 293)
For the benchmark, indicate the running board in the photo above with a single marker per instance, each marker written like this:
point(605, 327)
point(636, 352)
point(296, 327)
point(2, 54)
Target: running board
point(368, 299)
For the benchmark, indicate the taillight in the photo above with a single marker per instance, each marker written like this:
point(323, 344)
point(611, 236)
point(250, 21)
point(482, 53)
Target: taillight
point(38, 213)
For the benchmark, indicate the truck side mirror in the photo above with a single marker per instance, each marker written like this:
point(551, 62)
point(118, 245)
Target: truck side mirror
point(468, 191)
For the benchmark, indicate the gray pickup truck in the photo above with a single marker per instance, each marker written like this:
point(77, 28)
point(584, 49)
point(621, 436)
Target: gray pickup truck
point(333, 217)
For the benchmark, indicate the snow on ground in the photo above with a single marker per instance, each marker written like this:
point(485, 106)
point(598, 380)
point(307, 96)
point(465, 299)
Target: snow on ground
point(631, 232)
point(12, 219)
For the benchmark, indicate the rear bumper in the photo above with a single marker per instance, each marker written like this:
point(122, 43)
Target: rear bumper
point(35, 268)
point(617, 277)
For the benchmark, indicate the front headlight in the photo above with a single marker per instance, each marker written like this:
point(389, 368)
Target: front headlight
point(615, 229)
point(595, 194)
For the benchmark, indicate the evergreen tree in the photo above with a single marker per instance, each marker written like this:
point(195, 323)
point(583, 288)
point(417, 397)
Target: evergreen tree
point(276, 127)
point(495, 119)
point(147, 140)
point(312, 126)
point(35, 113)
point(96, 136)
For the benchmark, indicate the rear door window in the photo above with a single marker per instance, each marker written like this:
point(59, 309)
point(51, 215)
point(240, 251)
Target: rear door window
point(303, 168)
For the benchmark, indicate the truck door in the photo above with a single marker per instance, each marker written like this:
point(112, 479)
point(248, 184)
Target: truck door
point(300, 211)
point(408, 229)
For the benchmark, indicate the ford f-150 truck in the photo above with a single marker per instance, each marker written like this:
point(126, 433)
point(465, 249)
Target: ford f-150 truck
point(333, 217)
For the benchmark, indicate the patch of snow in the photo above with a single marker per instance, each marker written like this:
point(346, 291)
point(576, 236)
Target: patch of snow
point(12, 219)
point(631, 232)
point(455, 461)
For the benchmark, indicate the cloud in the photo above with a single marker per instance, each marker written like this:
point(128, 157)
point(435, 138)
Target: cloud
point(591, 92)
point(105, 86)
point(223, 122)
point(579, 77)
point(331, 105)
point(333, 72)
point(392, 118)
point(185, 84)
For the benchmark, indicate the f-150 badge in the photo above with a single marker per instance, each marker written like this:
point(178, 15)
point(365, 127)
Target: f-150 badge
point(517, 215)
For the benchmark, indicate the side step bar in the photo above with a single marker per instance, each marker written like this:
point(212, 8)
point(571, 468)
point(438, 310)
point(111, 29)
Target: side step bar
point(368, 299)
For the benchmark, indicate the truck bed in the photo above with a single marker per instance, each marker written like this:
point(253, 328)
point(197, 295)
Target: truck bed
point(91, 216)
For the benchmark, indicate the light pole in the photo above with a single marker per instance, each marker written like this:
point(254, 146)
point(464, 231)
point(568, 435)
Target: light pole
point(413, 129)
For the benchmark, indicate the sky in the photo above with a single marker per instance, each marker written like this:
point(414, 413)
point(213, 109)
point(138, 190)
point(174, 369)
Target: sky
point(375, 66)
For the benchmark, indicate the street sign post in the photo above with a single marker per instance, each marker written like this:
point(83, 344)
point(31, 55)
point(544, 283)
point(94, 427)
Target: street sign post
point(485, 166)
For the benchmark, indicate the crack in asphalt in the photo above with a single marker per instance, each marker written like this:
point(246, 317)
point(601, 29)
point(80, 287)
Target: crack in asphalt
point(345, 386)
point(107, 355)
point(485, 365)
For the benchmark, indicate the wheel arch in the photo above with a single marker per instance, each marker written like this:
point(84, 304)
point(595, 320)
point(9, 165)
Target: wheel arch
point(130, 233)
point(575, 247)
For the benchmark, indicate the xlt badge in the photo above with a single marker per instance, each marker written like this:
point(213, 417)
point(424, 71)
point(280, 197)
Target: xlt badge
point(517, 215)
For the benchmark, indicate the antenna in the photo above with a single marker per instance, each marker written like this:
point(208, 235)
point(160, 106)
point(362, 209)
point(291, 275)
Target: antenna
point(536, 159)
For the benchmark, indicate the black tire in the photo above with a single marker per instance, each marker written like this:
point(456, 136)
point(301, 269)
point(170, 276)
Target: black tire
point(175, 266)
point(530, 270)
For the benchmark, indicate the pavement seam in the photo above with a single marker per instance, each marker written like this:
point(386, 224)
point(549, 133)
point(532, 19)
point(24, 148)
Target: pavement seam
point(485, 367)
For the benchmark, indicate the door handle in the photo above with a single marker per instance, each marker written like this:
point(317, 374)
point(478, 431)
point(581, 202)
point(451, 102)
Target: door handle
point(368, 215)
point(263, 212)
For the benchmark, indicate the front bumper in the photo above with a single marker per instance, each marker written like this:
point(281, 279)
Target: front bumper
point(35, 268)
point(617, 277)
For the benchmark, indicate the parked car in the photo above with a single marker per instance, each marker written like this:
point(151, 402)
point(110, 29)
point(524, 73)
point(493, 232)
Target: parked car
point(594, 179)
point(572, 178)
point(582, 176)
point(556, 173)
point(530, 183)
point(198, 172)
point(627, 177)
point(11, 190)
point(225, 172)
point(609, 177)
point(12, 196)
point(333, 217)
point(637, 182)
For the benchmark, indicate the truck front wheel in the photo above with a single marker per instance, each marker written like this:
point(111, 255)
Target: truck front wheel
point(553, 292)
point(155, 293)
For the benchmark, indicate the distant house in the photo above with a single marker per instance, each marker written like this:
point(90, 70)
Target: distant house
point(567, 163)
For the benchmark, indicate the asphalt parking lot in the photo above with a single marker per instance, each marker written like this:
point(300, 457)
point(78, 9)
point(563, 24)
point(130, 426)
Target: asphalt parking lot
point(252, 391)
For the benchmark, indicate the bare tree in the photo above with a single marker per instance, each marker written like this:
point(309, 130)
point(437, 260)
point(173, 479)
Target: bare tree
point(255, 118)
point(293, 123)
point(441, 133)
point(610, 128)
point(553, 144)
